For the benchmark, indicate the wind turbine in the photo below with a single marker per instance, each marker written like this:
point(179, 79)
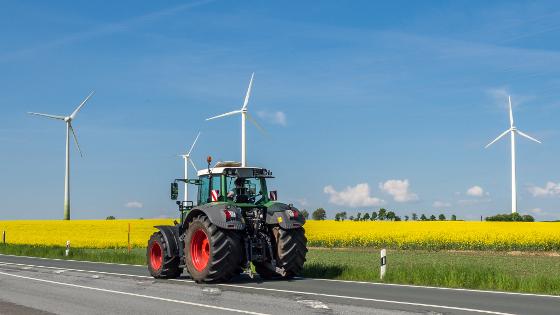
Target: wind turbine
point(68, 120)
point(187, 158)
point(512, 131)
point(244, 116)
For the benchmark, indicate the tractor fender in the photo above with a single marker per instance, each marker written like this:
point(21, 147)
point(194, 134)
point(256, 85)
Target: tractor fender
point(283, 215)
point(216, 215)
point(171, 236)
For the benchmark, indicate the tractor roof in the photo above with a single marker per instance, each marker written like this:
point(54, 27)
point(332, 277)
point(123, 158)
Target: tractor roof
point(235, 169)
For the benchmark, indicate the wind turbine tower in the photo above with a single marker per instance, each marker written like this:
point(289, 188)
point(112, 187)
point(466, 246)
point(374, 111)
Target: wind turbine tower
point(187, 158)
point(512, 131)
point(244, 116)
point(68, 120)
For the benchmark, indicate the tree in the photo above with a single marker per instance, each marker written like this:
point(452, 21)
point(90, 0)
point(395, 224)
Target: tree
point(397, 218)
point(528, 218)
point(414, 216)
point(391, 215)
point(366, 217)
point(441, 217)
point(382, 214)
point(423, 217)
point(304, 214)
point(406, 218)
point(351, 218)
point(337, 217)
point(373, 216)
point(453, 217)
point(343, 215)
point(432, 217)
point(110, 218)
point(319, 214)
point(359, 216)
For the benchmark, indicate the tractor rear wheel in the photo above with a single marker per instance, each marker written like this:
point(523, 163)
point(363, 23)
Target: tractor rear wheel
point(212, 254)
point(291, 248)
point(159, 264)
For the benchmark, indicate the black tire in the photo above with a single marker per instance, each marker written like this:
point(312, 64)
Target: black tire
point(291, 248)
point(168, 267)
point(225, 252)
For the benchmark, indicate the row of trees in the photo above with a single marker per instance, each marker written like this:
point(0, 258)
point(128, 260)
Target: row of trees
point(511, 217)
point(381, 215)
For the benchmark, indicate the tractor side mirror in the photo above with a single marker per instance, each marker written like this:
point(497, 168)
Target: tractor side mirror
point(174, 191)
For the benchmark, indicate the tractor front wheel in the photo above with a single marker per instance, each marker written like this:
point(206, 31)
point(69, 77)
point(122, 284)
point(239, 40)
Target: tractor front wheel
point(159, 264)
point(212, 254)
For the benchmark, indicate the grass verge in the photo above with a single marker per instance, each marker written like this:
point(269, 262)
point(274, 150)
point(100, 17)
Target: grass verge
point(486, 270)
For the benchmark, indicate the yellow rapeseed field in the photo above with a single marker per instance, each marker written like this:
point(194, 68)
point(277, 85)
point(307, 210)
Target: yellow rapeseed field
point(458, 235)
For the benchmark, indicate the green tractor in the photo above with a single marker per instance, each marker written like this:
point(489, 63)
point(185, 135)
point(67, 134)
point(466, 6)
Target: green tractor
point(236, 221)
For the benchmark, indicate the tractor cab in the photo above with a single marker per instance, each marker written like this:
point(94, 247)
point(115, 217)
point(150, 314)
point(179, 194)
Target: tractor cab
point(231, 183)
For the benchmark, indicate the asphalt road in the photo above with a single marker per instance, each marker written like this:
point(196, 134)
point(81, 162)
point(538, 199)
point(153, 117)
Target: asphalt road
point(45, 286)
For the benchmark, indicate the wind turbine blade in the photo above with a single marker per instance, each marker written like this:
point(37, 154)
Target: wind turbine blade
point(194, 166)
point(498, 138)
point(224, 115)
point(246, 102)
point(510, 113)
point(192, 146)
point(251, 119)
point(73, 115)
point(76, 140)
point(47, 115)
point(527, 136)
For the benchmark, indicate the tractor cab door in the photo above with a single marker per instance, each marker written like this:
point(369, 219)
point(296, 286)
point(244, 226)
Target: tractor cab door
point(206, 187)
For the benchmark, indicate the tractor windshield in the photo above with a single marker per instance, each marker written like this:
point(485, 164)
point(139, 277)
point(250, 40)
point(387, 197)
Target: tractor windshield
point(246, 190)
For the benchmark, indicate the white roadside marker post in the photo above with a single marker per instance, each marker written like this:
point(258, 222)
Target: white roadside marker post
point(67, 248)
point(383, 263)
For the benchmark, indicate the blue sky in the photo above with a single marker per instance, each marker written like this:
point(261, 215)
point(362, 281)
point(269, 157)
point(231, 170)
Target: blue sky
point(366, 104)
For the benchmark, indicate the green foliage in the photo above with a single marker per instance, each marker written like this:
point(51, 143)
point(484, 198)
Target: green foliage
point(511, 217)
point(382, 214)
point(406, 218)
point(110, 218)
point(483, 270)
point(432, 217)
point(319, 214)
point(414, 216)
point(441, 217)
point(423, 217)
point(373, 216)
point(366, 217)
point(453, 217)
point(304, 214)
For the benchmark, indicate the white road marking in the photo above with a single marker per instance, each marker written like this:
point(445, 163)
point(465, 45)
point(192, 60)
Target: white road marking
point(369, 299)
point(314, 304)
point(429, 287)
point(314, 279)
point(78, 270)
point(133, 294)
point(85, 261)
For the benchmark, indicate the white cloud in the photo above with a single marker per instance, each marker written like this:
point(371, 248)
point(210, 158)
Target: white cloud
point(550, 189)
point(399, 190)
point(357, 196)
point(134, 204)
point(537, 211)
point(441, 204)
point(278, 117)
point(476, 191)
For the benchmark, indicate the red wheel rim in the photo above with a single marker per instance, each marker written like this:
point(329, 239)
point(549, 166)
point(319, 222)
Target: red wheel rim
point(156, 256)
point(200, 250)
